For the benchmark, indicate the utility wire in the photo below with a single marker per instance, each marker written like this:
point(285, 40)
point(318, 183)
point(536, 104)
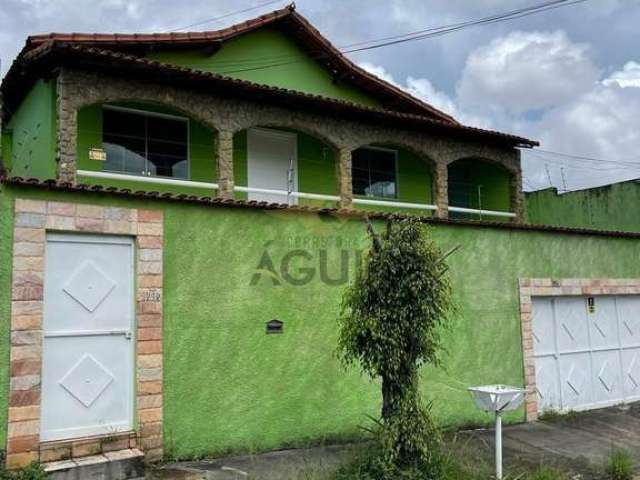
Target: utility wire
point(226, 15)
point(250, 64)
point(575, 157)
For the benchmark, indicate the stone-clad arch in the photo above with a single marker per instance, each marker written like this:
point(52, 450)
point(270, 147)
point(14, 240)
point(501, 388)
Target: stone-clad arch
point(510, 167)
point(227, 115)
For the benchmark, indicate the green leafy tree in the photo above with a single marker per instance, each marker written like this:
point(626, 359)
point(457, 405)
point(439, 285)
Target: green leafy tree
point(390, 325)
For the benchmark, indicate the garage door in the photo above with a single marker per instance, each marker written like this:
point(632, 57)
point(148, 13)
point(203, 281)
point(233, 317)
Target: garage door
point(587, 351)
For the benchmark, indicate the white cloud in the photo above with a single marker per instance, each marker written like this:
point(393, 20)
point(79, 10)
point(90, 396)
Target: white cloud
point(526, 71)
point(423, 89)
point(629, 76)
point(577, 112)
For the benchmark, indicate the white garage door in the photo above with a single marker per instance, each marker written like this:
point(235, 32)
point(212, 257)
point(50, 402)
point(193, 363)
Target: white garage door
point(587, 351)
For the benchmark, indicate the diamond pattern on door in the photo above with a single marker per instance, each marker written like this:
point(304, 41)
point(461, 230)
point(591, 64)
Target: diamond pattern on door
point(89, 285)
point(86, 380)
point(607, 377)
point(576, 380)
point(633, 371)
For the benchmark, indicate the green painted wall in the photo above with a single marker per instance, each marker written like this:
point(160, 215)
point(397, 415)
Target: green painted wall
point(612, 207)
point(228, 386)
point(32, 129)
point(269, 57)
point(201, 150)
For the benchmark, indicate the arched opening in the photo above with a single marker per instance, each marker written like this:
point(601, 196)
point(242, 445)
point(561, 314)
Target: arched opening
point(383, 172)
point(284, 165)
point(477, 184)
point(145, 146)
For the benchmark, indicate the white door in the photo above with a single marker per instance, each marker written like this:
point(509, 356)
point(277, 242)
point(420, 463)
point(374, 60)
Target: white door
point(587, 351)
point(87, 360)
point(272, 164)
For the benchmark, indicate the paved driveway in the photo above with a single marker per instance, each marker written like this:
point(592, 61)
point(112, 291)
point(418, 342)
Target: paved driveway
point(581, 442)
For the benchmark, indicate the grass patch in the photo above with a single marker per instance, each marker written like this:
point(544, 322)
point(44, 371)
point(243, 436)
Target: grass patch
point(619, 465)
point(554, 416)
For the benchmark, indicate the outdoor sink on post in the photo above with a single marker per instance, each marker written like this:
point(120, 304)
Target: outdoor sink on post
point(497, 399)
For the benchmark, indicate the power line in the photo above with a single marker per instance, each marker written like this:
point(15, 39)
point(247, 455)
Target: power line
point(585, 159)
point(226, 15)
point(280, 60)
point(439, 31)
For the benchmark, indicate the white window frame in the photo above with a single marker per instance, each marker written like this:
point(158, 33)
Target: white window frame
point(148, 113)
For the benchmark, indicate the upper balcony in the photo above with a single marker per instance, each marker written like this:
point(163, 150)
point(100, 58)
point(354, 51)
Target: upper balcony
point(141, 145)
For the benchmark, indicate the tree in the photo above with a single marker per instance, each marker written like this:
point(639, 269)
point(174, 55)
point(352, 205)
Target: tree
point(391, 323)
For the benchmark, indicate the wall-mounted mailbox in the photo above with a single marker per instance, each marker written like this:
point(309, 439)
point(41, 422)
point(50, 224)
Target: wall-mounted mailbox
point(275, 326)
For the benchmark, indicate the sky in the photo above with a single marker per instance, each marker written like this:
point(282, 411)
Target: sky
point(569, 77)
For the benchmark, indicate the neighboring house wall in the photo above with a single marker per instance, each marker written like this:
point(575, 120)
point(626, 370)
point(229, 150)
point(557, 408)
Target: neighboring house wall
point(229, 386)
point(611, 207)
point(30, 137)
point(267, 57)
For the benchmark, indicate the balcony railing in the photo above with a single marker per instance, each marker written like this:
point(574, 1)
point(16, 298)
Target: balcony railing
point(289, 195)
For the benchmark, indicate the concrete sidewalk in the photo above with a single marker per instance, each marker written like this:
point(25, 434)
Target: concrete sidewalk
point(580, 442)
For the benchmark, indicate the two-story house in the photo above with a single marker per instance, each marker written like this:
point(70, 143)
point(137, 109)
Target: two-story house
point(179, 215)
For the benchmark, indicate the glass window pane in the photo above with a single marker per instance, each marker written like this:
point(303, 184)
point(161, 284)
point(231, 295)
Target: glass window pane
point(145, 144)
point(167, 159)
point(124, 124)
point(167, 129)
point(374, 172)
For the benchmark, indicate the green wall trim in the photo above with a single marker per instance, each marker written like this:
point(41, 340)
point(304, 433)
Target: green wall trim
point(230, 387)
point(246, 57)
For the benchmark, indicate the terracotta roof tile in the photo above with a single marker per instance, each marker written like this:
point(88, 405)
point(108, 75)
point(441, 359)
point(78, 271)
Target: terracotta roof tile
point(92, 57)
point(296, 24)
point(183, 198)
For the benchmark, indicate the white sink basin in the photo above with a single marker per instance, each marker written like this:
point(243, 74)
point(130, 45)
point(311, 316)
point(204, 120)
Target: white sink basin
point(497, 398)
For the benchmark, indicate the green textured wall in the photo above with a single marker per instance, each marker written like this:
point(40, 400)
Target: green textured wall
point(228, 386)
point(269, 57)
point(612, 207)
point(201, 150)
point(33, 134)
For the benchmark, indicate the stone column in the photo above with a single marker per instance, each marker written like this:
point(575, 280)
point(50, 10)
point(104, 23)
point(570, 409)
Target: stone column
point(345, 187)
point(67, 134)
point(517, 197)
point(224, 146)
point(442, 190)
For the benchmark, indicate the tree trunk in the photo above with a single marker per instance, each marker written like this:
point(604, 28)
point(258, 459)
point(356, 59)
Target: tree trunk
point(389, 394)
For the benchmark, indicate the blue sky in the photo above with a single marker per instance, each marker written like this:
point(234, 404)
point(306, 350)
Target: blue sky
point(569, 77)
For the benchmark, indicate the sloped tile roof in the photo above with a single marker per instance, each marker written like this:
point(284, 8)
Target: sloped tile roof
point(52, 54)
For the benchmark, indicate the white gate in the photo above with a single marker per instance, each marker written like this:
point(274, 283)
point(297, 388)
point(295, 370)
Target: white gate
point(87, 360)
point(587, 351)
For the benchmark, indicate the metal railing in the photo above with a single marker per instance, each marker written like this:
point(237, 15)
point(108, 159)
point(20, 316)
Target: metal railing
point(291, 195)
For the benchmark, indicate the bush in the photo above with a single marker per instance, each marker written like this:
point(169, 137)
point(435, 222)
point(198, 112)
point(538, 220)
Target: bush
point(619, 465)
point(391, 322)
point(31, 472)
